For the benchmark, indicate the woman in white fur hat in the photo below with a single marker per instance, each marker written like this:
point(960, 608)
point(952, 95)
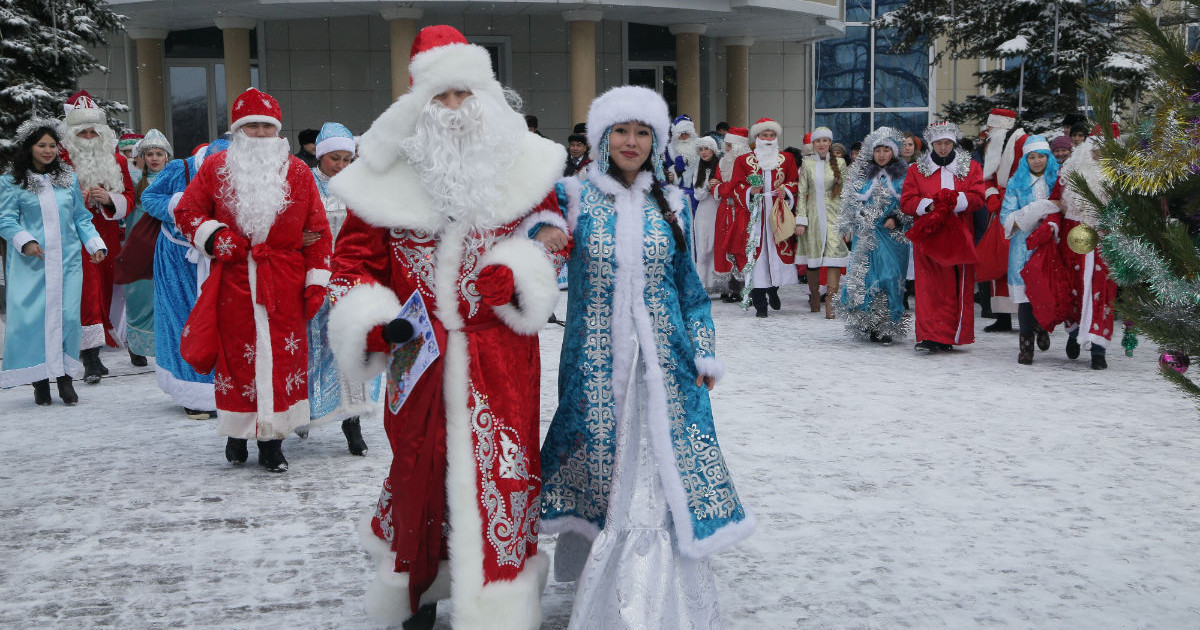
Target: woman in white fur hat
point(821, 245)
point(155, 151)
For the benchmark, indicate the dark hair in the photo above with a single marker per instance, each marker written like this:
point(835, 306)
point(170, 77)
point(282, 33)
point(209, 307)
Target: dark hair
point(857, 146)
point(796, 154)
point(722, 127)
point(308, 136)
point(1070, 120)
point(23, 159)
point(668, 214)
point(577, 137)
point(580, 128)
point(531, 121)
point(1080, 127)
point(967, 145)
point(706, 170)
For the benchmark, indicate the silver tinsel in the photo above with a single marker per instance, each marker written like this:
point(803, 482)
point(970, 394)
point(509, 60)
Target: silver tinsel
point(33, 124)
point(958, 168)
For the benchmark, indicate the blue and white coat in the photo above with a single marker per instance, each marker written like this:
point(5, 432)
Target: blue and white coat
point(633, 292)
point(43, 331)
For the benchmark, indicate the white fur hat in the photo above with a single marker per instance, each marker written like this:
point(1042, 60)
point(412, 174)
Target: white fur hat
point(154, 139)
point(764, 124)
point(707, 141)
point(821, 132)
point(628, 103)
point(85, 115)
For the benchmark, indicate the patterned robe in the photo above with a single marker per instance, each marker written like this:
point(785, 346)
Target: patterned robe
point(822, 244)
point(749, 243)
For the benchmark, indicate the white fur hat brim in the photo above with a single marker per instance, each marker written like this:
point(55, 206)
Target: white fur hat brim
point(464, 66)
point(628, 103)
point(260, 118)
point(84, 118)
point(760, 127)
point(336, 143)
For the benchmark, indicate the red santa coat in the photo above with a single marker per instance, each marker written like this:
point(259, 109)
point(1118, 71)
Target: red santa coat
point(945, 310)
point(261, 378)
point(97, 297)
point(1092, 290)
point(726, 209)
point(465, 442)
point(740, 231)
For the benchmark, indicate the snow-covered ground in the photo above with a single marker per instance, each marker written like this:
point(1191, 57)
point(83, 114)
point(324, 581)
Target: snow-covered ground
point(892, 491)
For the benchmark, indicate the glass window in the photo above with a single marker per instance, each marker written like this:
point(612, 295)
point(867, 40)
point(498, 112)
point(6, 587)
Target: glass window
point(843, 70)
point(645, 77)
point(847, 127)
point(901, 80)
point(903, 121)
point(189, 107)
point(858, 10)
point(883, 7)
point(222, 104)
point(648, 42)
point(202, 43)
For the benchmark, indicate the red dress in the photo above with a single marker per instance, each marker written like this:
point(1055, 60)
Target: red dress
point(261, 378)
point(945, 309)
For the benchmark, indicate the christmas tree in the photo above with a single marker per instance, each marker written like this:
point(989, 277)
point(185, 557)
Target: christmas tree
point(1150, 228)
point(1046, 47)
point(43, 53)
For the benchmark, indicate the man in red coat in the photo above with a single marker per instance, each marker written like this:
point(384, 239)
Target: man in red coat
point(248, 208)
point(940, 190)
point(764, 190)
point(999, 164)
point(90, 147)
point(737, 144)
point(448, 184)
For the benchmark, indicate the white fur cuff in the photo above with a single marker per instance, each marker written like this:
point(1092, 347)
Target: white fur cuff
point(961, 204)
point(710, 366)
point(120, 206)
point(319, 277)
point(21, 239)
point(172, 202)
point(923, 207)
point(206, 230)
point(535, 281)
point(542, 219)
point(1027, 218)
point(511, 605)
point(351, 318)
point(95, 244)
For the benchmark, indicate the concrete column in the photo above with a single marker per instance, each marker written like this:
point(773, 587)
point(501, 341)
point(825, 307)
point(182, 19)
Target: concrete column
point(152, 96)
point(737, 81)
point(236, 33)
point(687, 69)
point(581, 33)
point(402, 23)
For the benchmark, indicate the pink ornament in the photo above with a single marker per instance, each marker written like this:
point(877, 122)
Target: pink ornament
point(1174, 360)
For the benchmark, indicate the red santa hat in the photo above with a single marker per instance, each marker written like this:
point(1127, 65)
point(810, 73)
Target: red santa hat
point(441, 58)
point(1010, 159)
point(254, 105)
point(69, 104)
point(84, 114)
point(764, 124)
point(1000, 118)
point(1098, 132)
point(738, 136)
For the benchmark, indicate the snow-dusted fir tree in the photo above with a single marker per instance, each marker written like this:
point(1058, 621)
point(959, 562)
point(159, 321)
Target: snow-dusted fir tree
point(1150, 228)
point(43, 53)
point(1061, 41)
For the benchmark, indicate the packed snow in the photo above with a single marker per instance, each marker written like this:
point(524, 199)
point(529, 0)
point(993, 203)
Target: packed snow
point(1015, 46)
point(891, 490)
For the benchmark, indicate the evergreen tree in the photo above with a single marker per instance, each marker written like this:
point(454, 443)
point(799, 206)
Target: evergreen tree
point(1061, 41)
point(1150, 228)
point(43, 53)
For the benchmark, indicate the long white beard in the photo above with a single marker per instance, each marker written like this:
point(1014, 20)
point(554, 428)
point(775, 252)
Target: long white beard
point(254, 181)
point(463, 155)
point(727, 160)
point(767, 152)
point(94, 160)
point(1077, 207)
point(689, 149)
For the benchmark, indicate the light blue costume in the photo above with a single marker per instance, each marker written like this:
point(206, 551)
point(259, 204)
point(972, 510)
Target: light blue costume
point(1025, 204)
point(179, 269)
point(42, 331)
point(873, 290)
point(139, 295)
point(331, 397)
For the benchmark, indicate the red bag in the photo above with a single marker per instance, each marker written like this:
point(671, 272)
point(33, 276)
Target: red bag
point(992, 251)
point(136, 260)
point(199, 343)
point(944, 238)
point(1045, 276)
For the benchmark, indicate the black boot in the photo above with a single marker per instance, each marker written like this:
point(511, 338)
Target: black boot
point(41, 392)
point(1099, 362)
point(1073, 345)
point(66, 390)
point(1025, 349)
point(758, 297)
point(910, 288)
point(1043, 339)
point(200, 414)
point(1003, 323)
point(424, 619)
point(927, 346)
point(90, 359)
point(354, 438)
point(270, 456)
point(773, 298)
point(235, 450)
point(137, 360)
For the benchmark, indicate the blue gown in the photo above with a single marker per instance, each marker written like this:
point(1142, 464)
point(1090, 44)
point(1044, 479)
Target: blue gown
point(872, 294)
point(177, 270)
point(139, 296)
point(42, 329)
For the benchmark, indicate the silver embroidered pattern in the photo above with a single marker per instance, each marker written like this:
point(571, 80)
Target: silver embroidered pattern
point(222, 383)
point(510, 536)
point(416, 249)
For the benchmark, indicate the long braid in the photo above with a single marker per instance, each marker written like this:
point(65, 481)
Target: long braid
point(835, 163)
point(668, 215)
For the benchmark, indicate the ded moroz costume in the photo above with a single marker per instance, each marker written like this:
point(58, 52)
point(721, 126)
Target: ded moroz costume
point(447, 184)
point(737, 144)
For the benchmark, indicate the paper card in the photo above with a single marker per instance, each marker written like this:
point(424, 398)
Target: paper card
point(410, 359)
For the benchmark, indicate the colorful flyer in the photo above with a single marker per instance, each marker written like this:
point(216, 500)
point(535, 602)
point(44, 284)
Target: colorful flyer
point(410, 359)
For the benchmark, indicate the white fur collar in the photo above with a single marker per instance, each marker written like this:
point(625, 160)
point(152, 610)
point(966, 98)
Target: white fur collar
point(610, 185)
point(394, 197)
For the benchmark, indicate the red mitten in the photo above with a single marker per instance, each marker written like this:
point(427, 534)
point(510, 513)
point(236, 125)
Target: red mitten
point(495, 285)
point(229, 246)
point(314, 297)
point(994, 202)
point(376, 341)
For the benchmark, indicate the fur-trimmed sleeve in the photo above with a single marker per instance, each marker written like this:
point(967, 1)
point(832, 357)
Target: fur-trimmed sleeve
point(694, 303)
point(535, 281)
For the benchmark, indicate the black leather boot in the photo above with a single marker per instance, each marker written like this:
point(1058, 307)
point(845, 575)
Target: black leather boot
point(1073, 345)
point(41, 392)
point(90, 359)
point(66, 390)
point(425, 618)
point(758, 297)
point(235, 450)
point(354, 439)
point(270, 456)
point(773, 298)
point(1003, 323)
point(137, 360)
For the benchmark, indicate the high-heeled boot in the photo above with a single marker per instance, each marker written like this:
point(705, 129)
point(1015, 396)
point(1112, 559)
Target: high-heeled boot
point(354, 439)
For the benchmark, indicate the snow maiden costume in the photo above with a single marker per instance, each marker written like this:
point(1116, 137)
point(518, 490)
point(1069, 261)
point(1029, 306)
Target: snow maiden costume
point(139, 295)
point(457, 517)
point(819, 190)
point(873, 293)
point(631, 460)
point(42, 333)
point(179, 272)
point(705, 222)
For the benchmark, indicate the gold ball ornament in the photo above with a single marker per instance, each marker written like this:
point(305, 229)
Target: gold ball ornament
point(1082, 238)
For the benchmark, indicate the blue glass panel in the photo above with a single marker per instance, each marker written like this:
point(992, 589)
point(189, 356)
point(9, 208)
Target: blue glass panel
point(903, 121)
point(848, 127)
point(858, 10)
point(901, 80)
point(843, 70)
point(883, 7)
point(189, 107)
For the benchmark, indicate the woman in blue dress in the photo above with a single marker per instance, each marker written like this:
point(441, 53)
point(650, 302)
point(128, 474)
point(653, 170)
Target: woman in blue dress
point(873, 294)
point(43, 218)
point(155, 151)
point(633, 476)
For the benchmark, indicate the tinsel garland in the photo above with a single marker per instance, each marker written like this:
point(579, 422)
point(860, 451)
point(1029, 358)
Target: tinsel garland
point(60, 179)
point(751, 246)
point(1169, 154)
point(959, 168)
point(1129, 339)
point(1132, 260)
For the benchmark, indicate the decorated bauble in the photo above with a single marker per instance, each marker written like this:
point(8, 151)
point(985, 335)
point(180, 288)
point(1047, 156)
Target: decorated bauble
point(1082, 238)
point(1177, 361)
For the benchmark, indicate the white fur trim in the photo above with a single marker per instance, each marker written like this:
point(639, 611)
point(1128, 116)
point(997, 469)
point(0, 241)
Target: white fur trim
point(822, 132)
point(923, 207)
point(262, 118)
point(1037, 145)
point(94, 245)
point(543, 218)
point(190, 394)
point(515, 604)
point(710, 366)
point(757, 128)
point(1008, 158)
point(451, 66)
point(81, 118)
point(535, 280)
point(992, 190)
point(203, 233)
point(21, 239)
point(319, 277)
point(961, 203)
point(387, 596)
point(625, 104)
point(120, 206)
point(174, 201)
point(336, 143)
point(996, 121)
point(354, 314)
point(572, 185)
point(991, 156)
point(92, 336)
point(1027, 218)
